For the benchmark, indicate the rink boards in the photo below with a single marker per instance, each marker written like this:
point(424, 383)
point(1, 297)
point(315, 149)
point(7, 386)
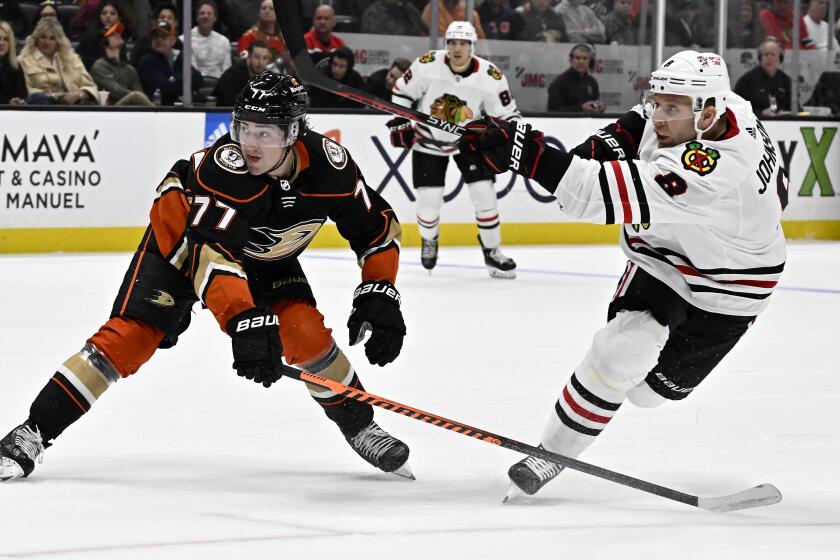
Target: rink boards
point(84, 181)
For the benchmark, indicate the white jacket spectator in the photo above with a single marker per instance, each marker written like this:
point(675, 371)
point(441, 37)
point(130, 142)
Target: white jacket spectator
point(817, 26)
point(582, 25)
point(210, 50)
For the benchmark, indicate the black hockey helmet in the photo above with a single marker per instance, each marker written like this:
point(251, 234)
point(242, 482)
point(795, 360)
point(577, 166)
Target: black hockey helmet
point(272, 99)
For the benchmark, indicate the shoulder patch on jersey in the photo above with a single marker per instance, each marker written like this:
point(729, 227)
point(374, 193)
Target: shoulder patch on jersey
point(450, 108)
point(336, 155)
point(229, 157)
point(427, 57)
point(494, 73)
point(700, 159)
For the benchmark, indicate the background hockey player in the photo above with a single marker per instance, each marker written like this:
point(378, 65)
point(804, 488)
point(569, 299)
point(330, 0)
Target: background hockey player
point(456, 86)
point(226, 229)
point(697, 183)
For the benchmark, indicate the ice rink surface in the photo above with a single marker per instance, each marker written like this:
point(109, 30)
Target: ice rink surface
point(187, 460)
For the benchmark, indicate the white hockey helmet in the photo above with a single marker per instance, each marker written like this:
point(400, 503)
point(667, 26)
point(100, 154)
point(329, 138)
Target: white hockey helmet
point(698, 76)
point(462, 30)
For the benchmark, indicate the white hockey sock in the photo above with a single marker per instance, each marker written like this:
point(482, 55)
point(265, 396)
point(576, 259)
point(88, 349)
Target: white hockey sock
point(581, 413)
point(429, 201)
point(483, 195)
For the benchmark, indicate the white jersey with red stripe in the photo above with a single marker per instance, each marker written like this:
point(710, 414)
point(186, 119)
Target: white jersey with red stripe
point(433, 87)
point(702, 217)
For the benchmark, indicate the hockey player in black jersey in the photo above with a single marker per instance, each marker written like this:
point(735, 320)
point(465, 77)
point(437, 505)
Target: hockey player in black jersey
point(226, 228)
point(696, 182)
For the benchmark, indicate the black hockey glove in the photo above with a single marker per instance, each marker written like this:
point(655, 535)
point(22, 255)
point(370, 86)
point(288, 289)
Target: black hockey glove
point(402, 132)
point(504, 145)
point(257, 350)
point(618, 140)
point(376, 308)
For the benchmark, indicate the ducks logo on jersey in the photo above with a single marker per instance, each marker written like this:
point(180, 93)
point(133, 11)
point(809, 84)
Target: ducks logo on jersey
point(699, 159)
point(451, 109)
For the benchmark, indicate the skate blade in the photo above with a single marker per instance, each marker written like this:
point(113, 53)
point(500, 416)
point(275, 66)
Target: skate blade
point(405, 472)
point(9, 469)
point(503, 274)
point(514, 494)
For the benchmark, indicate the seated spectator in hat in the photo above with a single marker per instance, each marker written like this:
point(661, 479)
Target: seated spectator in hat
point(618, 26)
point(320, 40)
point(53, 72)
point(742, 31)
point(210, 49)
point(541, 23)
point(12, 81)
point(89, 48)
point(582, 25)
point(381, 82)
point(266, 31)
point(113, 74)
point(575, 90)
point(339, 66)
point(234, 78)
point(167, 12)
point(160, 68)
point(11, 13)
point(449, 11)
point(498, 20)
point(393, 17)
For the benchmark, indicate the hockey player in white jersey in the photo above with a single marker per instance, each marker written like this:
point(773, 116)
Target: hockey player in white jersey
point(696, 181)
point(456, 86)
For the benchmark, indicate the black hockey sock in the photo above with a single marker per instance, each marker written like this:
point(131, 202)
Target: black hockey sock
point(71, 392)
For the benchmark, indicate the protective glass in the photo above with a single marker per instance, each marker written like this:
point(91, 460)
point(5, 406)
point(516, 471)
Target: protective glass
point(661, 107)
point(265, 135)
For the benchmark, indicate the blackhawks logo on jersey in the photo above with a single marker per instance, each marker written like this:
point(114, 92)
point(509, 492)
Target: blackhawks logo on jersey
point(427, 58)
point(451, 108)
point(699, 159)
point(494, 73)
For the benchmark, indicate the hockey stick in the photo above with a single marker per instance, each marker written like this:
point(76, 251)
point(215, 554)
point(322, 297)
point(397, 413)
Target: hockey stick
point(290, 21)
point(758, 496)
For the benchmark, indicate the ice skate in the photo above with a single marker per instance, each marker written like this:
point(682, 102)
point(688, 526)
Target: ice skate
point(529, 475)
point(498, 265)
point(19, 451)
point(380, 449)
point(429, 253)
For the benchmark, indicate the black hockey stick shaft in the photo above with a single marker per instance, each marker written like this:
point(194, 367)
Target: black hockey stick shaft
point(754, 497)
point(291, 26)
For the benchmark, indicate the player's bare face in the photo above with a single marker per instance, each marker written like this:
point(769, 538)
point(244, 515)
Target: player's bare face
point(673, 119)
point(263, 145)
point(459, 52)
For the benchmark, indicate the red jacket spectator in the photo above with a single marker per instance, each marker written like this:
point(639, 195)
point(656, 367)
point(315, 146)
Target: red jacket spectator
point(781, 26)
point(320, 39)
point(275, 42)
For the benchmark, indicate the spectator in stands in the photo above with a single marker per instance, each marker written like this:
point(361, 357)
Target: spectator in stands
point(575, 90)
point(168, 12)
point(582, 25)
point(766, 86)
point(743, 32)
point(47, 10)
point(499, 21)
point(160, 69)
point(452, 10)
point(113, 74)
point(827, 93)
point(234, 79)
point(817, 26)
point(618, 27)
point(12, 82)
point(777, 21)
point(53, 72)
point(393, 17)
point(684, 28)
point(137, 19)
point(339, 66)
point(541, 23)
point(265, 30)
point(381, 82)
point(210, 49)
point(90, 47)
point(11, 13)
point(320, 40)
